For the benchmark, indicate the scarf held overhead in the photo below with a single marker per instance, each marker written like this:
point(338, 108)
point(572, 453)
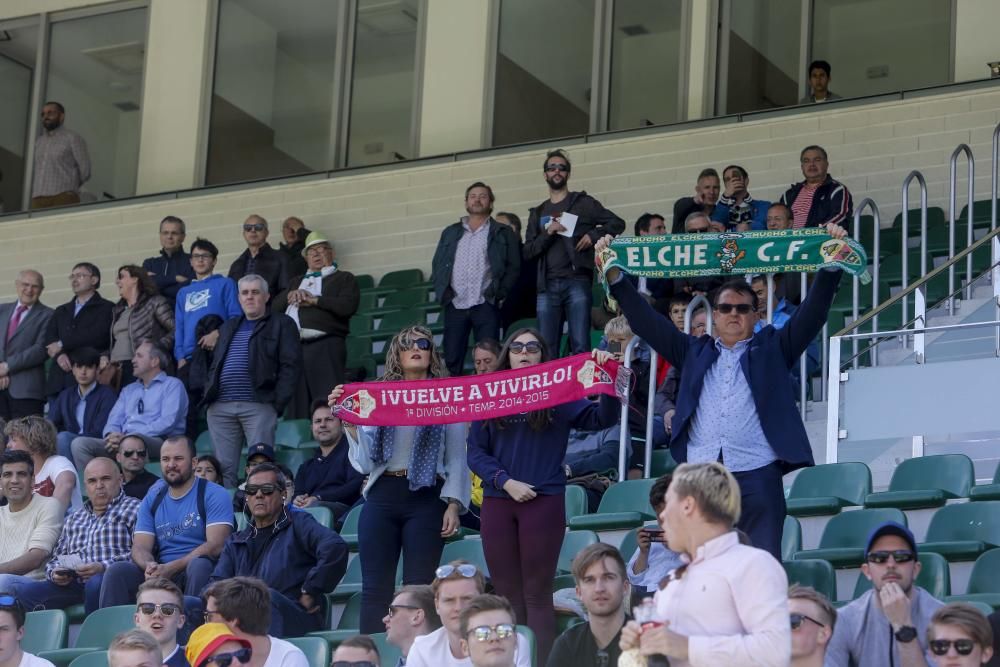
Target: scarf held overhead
point(479, 397)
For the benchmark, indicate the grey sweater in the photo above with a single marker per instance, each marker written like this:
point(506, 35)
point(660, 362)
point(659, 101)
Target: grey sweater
point(863, 636)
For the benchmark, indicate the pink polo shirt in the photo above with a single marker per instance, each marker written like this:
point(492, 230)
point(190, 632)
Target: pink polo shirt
point(732, 604)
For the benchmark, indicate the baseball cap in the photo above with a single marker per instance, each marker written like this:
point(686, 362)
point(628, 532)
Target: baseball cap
point(206, 638)
point(891, 528)
point(261, 449)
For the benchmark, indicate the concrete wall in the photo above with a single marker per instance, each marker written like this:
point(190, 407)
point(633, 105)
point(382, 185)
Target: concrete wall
point(392, 219)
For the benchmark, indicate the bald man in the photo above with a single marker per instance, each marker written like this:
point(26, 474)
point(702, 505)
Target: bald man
point(22, 348)
point(99, 534)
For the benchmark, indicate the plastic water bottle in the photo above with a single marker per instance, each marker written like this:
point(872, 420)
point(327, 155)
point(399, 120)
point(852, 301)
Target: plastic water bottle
point(645, 616)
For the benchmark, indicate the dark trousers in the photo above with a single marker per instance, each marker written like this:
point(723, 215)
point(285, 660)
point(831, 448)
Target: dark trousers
point(521, 542)
point(482, 320)
point(289, 619)
point(762, 497)
point(47, 595)
point(12, 408)
point(122, 580)
point(565, 300)
point(395, 519)
point(324, 361)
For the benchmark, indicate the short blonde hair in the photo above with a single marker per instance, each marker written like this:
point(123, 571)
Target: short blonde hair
point(618, 326)
point(134, 640)
point(714, 489)
point(967, 617)
point(810, 594)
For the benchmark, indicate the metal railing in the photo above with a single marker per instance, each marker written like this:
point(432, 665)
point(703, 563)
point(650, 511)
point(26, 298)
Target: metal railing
point(624, 434)
point(867, 202)
point(923, 230)
point(961, 148)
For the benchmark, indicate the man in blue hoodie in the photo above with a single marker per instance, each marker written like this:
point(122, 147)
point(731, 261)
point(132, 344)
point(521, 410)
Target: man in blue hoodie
point(208, 294)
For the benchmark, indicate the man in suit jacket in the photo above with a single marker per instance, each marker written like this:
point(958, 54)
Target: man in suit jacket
point(22, 348)
point(735, 404)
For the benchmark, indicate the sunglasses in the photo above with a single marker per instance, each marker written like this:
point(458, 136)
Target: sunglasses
point(357, 663)
point(167, 608)
point(137, 453)
point(225, 659)
point(254, 228)
point(531, 347)
point(900, 556)
point(741, 308)
point(942, 646)
point(557, 167)
point(796, 620)
point(421, 344)
point(266, 489)
point(465, 569)
point(484, 632)
point(8, 601)
point(394, 608)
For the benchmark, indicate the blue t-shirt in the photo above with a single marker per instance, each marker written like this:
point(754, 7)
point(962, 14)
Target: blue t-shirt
point(235, 383)
point(177, 525)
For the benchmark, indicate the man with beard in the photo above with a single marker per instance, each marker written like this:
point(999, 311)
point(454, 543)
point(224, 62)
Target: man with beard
point(183, 523)
point(328, 478)
point(62, 164)
point(561, 234)
point(476, 264)
point(892, 619)
point(604, 590)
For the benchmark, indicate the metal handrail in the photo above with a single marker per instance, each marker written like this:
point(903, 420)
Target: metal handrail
point(923, 230)
point(699, 300)
point(855, 309)
point(624, 437)
point(993, 177)
point(961, 148)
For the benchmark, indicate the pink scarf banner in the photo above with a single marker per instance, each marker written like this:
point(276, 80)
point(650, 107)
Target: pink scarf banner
point(480, 397)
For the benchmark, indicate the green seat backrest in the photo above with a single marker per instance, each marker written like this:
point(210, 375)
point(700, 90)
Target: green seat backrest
point(92, 659)
point(362, 323)
point(364, 280)
point(45, 630)
point(357, 347)
point(661, 463)
point(323, 515)
point(573, 542)
point(529, 634)
point(405, 298)
point(400, 319)
point(628, 496)
point(350, 526)
point(996, 475)
point(851, 529)
point(470, 550)
point(291, 432)
point(966, 521)
point(935, 216)
point(101, 625)
point(203, 444)
point(850, 482)
point(985, 576)
point(813, 572)
point(952, 473)
point(934, 577)
point(791, 537)
point(293, 458)
point(389, 653)
point(526, 323)
point(402, 278)
point(353, 573)
point(576, 501)
point(317, 650)
point(350, 618)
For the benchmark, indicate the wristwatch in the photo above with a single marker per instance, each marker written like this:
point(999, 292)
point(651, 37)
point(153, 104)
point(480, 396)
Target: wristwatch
point(905, 634)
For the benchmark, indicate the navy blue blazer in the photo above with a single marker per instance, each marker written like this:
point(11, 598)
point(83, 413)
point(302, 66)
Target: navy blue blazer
point(772, 354)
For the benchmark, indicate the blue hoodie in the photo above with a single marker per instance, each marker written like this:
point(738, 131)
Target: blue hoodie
point(215, 295)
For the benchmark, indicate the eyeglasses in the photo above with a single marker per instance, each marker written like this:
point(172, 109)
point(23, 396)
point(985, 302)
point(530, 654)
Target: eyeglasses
point(140, 406)
point(209, 613)
point(394, 608)
point(225, 659)
point(501, 630)
point(465, 569)
point(796, 620)
point(201, 255)
point(138, 453)
point(557, 167)
point(700, 230)
point(356, 663)
point(266, 489)
point(900, 556)
point(257, 227)
point(81, 276)
point(167, 608)
point(942, 646)
point(421, 344)
point(531, 347)
point(741, 308)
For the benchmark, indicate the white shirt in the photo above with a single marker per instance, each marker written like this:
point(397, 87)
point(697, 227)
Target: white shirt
point(432, 650)
point(285, 654)
point(29, 660)
point(51, 469)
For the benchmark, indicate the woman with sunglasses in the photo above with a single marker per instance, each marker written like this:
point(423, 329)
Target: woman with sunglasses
point(418, 484)
point(520, 460)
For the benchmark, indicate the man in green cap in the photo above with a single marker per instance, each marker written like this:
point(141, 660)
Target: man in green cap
point(321, 302)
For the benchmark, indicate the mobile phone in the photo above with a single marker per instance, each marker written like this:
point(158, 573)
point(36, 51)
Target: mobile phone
point(614, 347)
point(65, 572)
point(653, 532)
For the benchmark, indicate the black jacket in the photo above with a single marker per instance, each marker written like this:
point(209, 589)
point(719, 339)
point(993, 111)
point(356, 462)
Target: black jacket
point(594, 220)
point(338, 301)
point(831, 203)
point(275, 359)
point(87, 329)
point(332, 479)
point(295, 263)
point(502, 251)
point(270, 265)
point(165, 269)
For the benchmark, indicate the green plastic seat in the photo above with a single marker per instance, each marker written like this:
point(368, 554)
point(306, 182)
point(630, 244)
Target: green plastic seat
point(573, 543)
point(987, 491)
point(203, 443)
point(844, 538)
point(292, 432)
point(629, 544)
point(96, 633)
point(791, 538)
point(403, 299)
point(981, 213)
point(984, 582)
point(45, 630)
point(926, 481)
point(91, 659)
point(389, 653)
point(624, 505)
point(813, 572)
point(576, 501)
point(293, 458)
point(526, 323)
point(349, 529)
point(962, 532)
point(154, 467)
point(323, 515)
point(529, 634)
point(826, 489)
point(935, 218)
point(402, 278)
point(468, 550)
point(934, 577)
point(349, 585)
point(317, 650)
point(661, 463)
point(364, 280)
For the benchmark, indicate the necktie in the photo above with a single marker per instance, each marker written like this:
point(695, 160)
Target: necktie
point(15, 320)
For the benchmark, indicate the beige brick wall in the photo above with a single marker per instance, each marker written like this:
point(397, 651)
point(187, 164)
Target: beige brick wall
point(391, 219)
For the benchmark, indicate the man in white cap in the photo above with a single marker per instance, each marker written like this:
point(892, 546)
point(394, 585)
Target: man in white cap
point(321, 302)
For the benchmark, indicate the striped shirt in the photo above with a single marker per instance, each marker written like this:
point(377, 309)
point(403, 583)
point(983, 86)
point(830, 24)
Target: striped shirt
point(104, 539)
point(801, 206)
point(235, 383)
point(61, 163)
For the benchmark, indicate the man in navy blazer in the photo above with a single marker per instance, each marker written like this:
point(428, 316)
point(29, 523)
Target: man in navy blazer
point(735, 403)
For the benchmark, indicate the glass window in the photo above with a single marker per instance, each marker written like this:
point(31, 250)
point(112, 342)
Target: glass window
point(273, 97)
point(645, 63)
point(882, 45)
point(17, 65)
point(384, 82)
point(95, 71)
point(760, 52)
point(543, 70)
